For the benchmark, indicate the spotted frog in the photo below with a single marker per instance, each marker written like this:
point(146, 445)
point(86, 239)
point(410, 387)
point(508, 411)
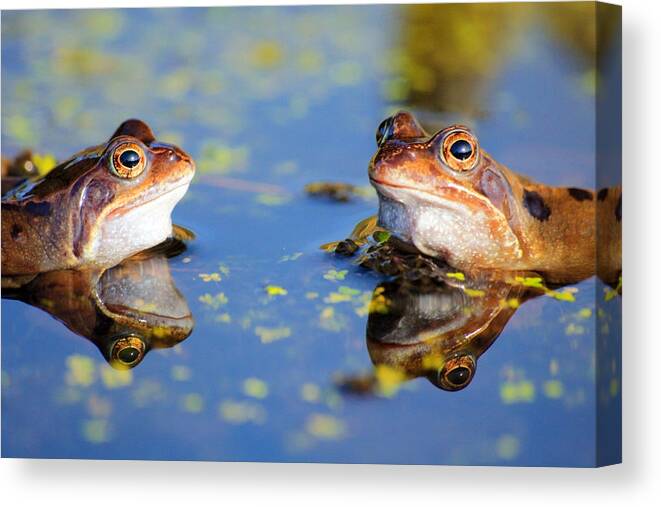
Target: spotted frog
point(449, 198)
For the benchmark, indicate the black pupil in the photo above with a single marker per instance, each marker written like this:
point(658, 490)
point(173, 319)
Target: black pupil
point(129, 158)
point(461, 149)
point(458, 376)
point(384, 131)
point(128, 355)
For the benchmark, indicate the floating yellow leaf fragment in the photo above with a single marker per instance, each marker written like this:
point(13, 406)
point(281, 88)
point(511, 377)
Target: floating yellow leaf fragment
point(510, 303)
point(80, 371)
point(214, 302)
point(181, 373)
point(508, 447)
point(225, 318)
point(342, 295)
point(275, 290)
point(459, 276)
point(221, 159)
point(96, 431)
point(325, 426)
point(272, 199)
point(43, 163)
point(389, 379)
point(255, 388)
point(614, 387)
point(113, 379)
point(553, 389)
point(210, 277)
point(20, 128)
point(240, 412)
point(565, 295)
point(310, 392)
point(574, 329)
point(534, 281)
point(192, 403)
point(332, 274)
point(585, 313)
point(272, 334)
point(554, 367)
point(522, 391)
point(474, 293)
point(311, 295)
point(267, 54)
point(336, 297)
point(292, 257)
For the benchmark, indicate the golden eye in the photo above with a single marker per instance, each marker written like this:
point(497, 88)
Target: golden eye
point(457, 372)
point(460, 150)
point(128, 160)
point(127, 352)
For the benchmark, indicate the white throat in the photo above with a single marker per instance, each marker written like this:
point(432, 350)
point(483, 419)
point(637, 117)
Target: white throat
point(139, 228)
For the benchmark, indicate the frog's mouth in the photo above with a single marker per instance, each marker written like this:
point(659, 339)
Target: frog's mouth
point(451, 223)
point(177, 188)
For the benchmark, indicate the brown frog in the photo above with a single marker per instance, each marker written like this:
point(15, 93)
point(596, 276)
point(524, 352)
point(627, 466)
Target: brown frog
point(449, 198)
point(99, 207)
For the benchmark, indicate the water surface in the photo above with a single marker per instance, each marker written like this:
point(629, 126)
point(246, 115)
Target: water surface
point(267, 100)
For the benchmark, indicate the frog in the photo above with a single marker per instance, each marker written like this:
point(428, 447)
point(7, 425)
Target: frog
point(97, 208)
point(449, 198)
point(126, 310)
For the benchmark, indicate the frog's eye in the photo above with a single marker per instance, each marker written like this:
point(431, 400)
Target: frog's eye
point(457, 372)
point(460, 150)
point(128, 160)
point(127, 352)
point(384, 131)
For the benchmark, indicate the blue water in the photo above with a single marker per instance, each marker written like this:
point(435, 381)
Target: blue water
point(290, 96)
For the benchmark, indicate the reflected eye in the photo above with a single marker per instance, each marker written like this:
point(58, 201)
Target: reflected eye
point(457, 372)
point(384, 131)
point(128, 160)
point(458, 376)
point(127, 352)
point(460, 150)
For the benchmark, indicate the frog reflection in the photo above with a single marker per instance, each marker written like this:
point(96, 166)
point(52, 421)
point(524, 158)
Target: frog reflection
point(437, 329)
point(125, 311)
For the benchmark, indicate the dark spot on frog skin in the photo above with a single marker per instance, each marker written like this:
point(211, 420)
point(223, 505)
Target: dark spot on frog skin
point(579, 194)
point(41, 209)
point(618, 209)
point(16, 231)
point(603, 193)
point(536, 205)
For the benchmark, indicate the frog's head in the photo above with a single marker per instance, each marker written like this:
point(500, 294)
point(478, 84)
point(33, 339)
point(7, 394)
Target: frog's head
point(116, 198)
point(443, 193)
point(437, 330)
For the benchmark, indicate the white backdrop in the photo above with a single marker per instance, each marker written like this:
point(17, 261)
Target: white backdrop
point(637, 482)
